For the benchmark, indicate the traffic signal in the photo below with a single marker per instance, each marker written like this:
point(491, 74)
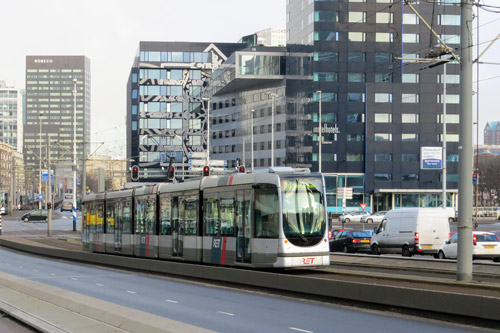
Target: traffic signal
point(49, 205)
point(241, 169)
point(206, 171)
point(134, 173)
point(171, 173)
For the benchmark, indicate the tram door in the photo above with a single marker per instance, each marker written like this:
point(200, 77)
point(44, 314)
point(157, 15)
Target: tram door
point(244, 200)
point(118, 226)
point(177, 227)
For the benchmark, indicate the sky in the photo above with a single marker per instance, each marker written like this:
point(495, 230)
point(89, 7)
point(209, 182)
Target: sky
point(108, 32)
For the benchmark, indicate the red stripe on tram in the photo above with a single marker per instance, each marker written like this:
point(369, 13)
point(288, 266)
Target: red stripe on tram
point(223, 255)
point(230, 181)
point(147, 246)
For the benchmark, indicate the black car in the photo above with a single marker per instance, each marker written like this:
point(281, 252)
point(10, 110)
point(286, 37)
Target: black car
point(36, 215)
point(350, 241)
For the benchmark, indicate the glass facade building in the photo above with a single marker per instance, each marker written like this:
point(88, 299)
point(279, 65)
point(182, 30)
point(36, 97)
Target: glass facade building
point(11, 116)
point(167, 104)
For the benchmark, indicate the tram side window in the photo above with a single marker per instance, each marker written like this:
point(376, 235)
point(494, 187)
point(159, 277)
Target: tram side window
point(191, 216)
point(211, 215)
point(181, 213)
point(92, 217)
point(100, 218)
point(127, 217)
point(110, 217)
point(266, 213)
point(165, 215)
point(227, 217)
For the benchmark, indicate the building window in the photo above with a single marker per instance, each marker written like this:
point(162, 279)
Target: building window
point(450, 78)
point(352, 157)
point(195, 140)
point(410, 78)
point(355, 77)
point(326, 56)
point(356, 36)
point(450, 137)
point(134, 109)
point(382, 177)
point(356, 97)
point(383, 157)
point(384, 37)
point(194, 107)
point(326, 16)
point(383, 117)
point(383, 98)
point(383, 77)
point(450, 39)
point(450, 99)
point(445, 19)
point(383, 57)
point(355, 137)
point(409, 57)
point(410, 19)
point(134, 93)
point(385, 18)
point(410, 177)
point(450, 118)
point(411, 38)
point(410, 118)
point(409, 98)
point(383, 137)
point(194, 123)
point(406, 137)
point(356, 57)
point(357, 17)
point(409, 158)
point(452, 158)
point(326, 35)
point(356, 118)
point(325, 77)
point(134, 125)
point(325, 97)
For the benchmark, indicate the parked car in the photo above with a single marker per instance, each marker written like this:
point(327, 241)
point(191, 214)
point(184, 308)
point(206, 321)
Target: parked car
point(67, 205)
point(375, 217)
point(485, 245)
point(36, 215)
point(351, 241)
point(352, 216)
point(411, 230)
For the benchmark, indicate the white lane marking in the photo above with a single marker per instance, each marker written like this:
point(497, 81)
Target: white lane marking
point(225, 313)
point(99, 285)
point(171, 301)
point(298, 329)
point(74, 279)
point(53, 274)
point(131, 292)
point(35, 270)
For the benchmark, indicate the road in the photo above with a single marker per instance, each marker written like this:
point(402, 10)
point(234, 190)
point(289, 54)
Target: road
point(60, 221)
point(216, 308)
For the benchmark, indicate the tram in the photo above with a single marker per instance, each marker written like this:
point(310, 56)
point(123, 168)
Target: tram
point(261, 220)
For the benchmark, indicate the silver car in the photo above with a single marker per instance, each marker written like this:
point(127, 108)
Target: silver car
point(352, 217)
point(375, 217)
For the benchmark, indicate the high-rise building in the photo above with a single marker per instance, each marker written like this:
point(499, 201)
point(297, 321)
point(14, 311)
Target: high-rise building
point(380, 104)
point(11, 116)
point(492, 133)
point(266, 37)
point(50, 111)
point(167, 103)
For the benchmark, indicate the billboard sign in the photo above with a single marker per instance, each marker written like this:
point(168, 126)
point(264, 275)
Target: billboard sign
point(431, 158)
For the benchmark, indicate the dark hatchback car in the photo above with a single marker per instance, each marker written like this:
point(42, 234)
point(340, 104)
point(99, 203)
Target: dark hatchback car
point(40, 215)
point(351, 241)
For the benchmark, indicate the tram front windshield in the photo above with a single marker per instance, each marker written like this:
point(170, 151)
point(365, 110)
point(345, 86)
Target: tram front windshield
point(303, 210)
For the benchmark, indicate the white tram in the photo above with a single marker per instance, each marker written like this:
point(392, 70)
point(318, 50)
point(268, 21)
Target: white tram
point(251, 220)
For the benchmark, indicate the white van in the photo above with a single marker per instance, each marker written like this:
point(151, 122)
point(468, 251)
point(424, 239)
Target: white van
point(411, 230)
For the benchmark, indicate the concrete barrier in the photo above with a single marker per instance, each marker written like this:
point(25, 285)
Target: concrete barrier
point(445, 302)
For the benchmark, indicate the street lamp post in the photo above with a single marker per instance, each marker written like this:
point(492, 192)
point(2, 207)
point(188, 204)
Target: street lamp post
point(273, 96)
point(74, 154)
point(444, 138)
point(251, 136)
point(320, 132)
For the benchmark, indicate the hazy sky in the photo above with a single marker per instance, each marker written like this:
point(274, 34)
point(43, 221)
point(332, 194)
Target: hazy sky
point(108, 32)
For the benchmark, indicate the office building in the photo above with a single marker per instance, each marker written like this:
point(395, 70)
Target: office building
point(167, 104)
point(266, 37)
point(492, 133)
point(11, 116)
point(50, 110)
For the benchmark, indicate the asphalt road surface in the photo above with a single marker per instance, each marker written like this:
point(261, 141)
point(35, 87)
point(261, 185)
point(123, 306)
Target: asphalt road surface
point(212, 307)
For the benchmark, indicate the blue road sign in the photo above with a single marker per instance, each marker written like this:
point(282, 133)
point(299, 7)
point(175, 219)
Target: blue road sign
point(40, 197)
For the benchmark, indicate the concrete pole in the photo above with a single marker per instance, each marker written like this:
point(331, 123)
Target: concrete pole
point(464, 257)
point(74, 154)
point(251, 124)
point(49, 191)
point(320, 132)
point(40, 163)
point(272, 130)
point(443, 180)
